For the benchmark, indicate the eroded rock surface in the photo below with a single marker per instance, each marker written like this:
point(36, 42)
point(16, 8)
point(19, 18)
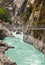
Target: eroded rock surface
point(4, 31)
point(3, 59)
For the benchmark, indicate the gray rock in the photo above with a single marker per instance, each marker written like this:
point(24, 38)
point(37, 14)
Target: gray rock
point(9, 63)
point(18, 32)
point(44, 46)
point(27, 39)
point(3, 59)
point(40, 45)
point(35, 44)
point(43, 51)
point(4, 33)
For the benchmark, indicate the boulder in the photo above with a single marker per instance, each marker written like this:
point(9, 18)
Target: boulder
point(9, 63)
point(40, 45)
point(18, 32)
point(44, 46)
point(4, 33)
point(28, 39)
point(35, 44)
point(4, 46)
point(43, 51)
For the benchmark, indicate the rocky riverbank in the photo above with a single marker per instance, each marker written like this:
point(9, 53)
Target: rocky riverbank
point(4, 32)
point(38, 44)
point(3, 59)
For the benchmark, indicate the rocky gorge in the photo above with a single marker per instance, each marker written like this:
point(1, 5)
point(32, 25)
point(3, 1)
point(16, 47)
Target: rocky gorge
point(27, 17)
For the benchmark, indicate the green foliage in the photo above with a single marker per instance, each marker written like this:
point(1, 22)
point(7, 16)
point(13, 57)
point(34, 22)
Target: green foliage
point(4, 16)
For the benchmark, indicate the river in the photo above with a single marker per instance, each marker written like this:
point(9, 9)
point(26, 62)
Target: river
point(23, 53)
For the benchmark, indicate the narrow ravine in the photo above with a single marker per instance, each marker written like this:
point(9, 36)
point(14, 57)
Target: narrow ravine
point(23, 53)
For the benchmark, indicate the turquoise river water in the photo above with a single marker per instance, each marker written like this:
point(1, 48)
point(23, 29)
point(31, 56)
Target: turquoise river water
point(23, 53)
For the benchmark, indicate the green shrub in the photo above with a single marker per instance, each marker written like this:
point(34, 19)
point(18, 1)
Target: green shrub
point(4, 16)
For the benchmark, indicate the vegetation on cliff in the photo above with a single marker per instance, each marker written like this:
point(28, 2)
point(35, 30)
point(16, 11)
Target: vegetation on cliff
point(4, 16)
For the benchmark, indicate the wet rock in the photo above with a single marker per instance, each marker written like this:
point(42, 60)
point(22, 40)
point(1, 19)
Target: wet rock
point(9, 63)
point(4, 46)
point(44, 46)
point(4, 33)
point(35, 42)
point(3, 59)
point(43, 51)
point(27, 39)
point(40, 45)
point(18, 32)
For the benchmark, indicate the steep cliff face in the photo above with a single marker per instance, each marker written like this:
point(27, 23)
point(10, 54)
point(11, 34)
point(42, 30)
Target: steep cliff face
point(36, 23)
point(39, 21)
point(37, 17)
